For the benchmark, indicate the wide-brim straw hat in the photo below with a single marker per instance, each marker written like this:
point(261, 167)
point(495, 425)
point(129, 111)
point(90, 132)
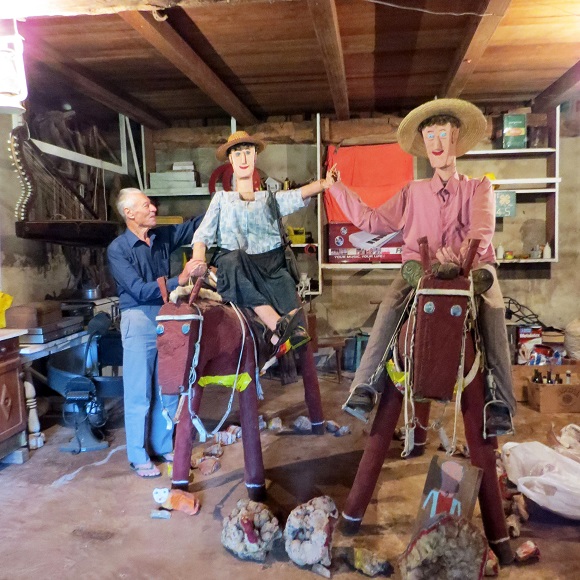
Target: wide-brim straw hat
point(235, 139)
point(472, 130)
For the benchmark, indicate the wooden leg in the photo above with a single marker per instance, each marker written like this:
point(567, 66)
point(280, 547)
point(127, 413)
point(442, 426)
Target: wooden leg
point(35, 436)
point(184, 434)
point(253, 461)
point(376, 449)
point(311, 389)
point(482, 454)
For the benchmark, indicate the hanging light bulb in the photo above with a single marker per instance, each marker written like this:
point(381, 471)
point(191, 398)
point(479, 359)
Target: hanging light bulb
point(12, 79)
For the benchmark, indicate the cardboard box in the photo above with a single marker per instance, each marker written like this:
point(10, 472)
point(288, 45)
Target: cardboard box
point(527, 338)
point(522, 374)
point(348, 244)
point(511, 131)
point(555, 398)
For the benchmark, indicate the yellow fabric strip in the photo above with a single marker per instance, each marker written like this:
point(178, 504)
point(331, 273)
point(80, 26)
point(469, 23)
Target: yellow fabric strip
point(244, 379)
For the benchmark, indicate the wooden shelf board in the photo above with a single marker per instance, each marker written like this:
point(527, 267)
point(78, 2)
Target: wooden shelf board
point(362, 266)
point(510, 152)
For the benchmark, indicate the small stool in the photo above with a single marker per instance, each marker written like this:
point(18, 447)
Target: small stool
point(337, 343)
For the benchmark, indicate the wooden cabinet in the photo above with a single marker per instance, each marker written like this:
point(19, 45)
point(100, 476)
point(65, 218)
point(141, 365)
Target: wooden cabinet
point(12, 402)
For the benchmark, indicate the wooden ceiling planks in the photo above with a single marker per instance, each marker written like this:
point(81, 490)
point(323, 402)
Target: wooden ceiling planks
point(268, 57)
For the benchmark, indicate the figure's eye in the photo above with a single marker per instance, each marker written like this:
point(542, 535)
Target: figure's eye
point(430, 135)
point(443, 134)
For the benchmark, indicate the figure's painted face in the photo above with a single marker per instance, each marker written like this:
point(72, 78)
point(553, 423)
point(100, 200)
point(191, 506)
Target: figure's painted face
point(243, 161)
point(441, 144)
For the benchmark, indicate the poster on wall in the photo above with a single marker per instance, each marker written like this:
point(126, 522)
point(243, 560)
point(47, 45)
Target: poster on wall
point(505, 203)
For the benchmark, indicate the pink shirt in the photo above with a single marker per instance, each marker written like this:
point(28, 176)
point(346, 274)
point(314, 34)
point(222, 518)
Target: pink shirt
point(463, 209)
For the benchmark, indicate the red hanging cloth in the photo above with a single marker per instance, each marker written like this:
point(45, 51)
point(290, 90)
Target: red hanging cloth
point(374, 172)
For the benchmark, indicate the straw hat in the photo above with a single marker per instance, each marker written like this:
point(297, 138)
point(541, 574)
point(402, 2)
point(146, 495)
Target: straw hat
point(235, 139)
point(472, 128)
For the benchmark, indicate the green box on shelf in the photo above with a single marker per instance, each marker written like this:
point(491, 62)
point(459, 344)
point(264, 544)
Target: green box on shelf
point(514, 131)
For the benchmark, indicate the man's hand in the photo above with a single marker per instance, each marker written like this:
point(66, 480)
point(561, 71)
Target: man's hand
point(194, 267)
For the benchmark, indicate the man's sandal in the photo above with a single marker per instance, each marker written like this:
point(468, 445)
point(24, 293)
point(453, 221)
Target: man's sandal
point(164, 458)
point(145, 470)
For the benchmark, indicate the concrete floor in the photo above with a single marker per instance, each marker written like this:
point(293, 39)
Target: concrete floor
point(97, 524)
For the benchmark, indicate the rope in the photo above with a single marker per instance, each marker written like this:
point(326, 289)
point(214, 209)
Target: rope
point(195, 419)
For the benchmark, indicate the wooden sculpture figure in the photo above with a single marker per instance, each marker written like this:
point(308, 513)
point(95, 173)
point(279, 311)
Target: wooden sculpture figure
point(439, 348)
point(245, 226)
point(450, 209)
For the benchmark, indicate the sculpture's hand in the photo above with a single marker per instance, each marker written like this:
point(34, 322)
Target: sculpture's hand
point(446, 254)
point(332, 176)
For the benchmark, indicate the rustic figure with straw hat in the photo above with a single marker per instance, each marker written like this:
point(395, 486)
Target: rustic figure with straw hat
point(450, 209)
point(250, 255)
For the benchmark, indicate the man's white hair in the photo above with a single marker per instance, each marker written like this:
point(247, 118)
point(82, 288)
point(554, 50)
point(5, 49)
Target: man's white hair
point(126, 199)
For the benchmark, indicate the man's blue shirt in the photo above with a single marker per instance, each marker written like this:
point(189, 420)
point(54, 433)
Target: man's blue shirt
point(135, 266)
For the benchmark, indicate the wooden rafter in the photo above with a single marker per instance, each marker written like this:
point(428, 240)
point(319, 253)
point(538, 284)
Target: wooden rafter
point(558, 91)
point(85, 82)
point(168, 42)
point(475, 41)
point(325, 21)
point(29, 8)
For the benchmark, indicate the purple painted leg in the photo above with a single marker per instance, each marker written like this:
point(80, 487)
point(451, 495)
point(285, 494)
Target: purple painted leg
point(253, 461)
point(184, 434)
point(311, 389)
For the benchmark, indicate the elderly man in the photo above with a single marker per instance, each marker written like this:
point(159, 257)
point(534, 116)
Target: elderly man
point(450, 209)
point(137, 258)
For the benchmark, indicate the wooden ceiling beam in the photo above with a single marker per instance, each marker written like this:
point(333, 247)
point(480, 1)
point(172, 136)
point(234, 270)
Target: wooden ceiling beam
point(325, 21)
point(559, 91)
point(84, 82)
point(475, 41)
point(29, 8)
point(167, 41)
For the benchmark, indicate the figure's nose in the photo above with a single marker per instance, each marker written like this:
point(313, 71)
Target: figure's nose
point(437, 143)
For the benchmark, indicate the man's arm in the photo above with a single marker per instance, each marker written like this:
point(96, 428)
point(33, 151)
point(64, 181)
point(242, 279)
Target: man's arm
point(127, 276)
point(183, 233)
point(385, 219)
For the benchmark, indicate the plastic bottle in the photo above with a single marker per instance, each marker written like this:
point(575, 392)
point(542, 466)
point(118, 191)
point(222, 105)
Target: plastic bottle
point(547, 253)
point(500, 253)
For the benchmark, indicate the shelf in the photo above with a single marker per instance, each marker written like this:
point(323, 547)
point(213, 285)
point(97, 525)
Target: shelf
point(526, 180)
point(363, 266)
point(531, 151)
point(528, 261)
point(178, 192)
point(304, 245)
point(533, 190)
